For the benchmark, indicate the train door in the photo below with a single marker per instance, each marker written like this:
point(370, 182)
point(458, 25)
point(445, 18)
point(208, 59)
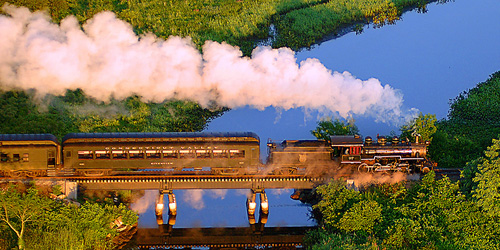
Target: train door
point(51, 159)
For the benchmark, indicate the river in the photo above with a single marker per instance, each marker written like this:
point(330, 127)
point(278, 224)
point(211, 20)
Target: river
point(430, 57)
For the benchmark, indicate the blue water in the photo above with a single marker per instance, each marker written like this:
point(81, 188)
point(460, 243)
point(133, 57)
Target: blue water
point(430, 57)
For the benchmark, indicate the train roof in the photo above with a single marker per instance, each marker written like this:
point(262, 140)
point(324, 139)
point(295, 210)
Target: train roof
point(26, 138)
point(73, 137)
point(346, 140)
point(303, 143)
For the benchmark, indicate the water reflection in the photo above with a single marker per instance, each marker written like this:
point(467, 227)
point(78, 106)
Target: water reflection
point(219, 219)
point(222, 208)
point(256, 236)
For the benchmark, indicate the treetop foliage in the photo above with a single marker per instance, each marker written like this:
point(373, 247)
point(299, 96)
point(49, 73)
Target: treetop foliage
point(328, 127)
point(487, 179)
point(38, 222)
point(423, 126)
point(431, 214)
point(74, 112)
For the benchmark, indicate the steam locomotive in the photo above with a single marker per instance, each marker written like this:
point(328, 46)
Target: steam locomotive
point(235, 153)
point(348, 152)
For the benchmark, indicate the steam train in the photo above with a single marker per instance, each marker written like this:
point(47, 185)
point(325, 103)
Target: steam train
point(348, 152)
point(231, 153)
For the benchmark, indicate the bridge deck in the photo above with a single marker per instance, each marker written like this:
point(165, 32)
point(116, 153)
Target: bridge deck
point(196, 182)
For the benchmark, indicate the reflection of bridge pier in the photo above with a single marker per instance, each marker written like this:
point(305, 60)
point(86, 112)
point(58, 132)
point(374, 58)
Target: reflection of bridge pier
point(172, 207)
point(252, 206)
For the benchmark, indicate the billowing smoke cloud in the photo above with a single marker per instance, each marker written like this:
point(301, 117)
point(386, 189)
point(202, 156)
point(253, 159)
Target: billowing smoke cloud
point(106, 59)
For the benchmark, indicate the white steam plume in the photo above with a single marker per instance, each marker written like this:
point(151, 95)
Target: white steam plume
point(106, 59)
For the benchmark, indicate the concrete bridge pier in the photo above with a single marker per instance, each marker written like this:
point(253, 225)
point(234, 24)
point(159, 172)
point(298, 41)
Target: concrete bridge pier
point(171, 219)
point(71, 189)
point(159, 209)
point(251, 204)
point(263, 217)
point(264, 204)
point(172, 204)
point(160, 206)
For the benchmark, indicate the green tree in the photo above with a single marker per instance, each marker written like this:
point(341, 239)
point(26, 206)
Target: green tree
point(336, 199)
point(327, 128)
point(362, 216)
point(423, 126)
point(487, 191)
point(19, 210)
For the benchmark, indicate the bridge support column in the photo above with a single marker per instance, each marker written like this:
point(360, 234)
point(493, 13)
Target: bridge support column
point(159, 209)
point(71, 189)
point(251, 204)
point(264, 204)
point(172, 204)
point(263, 218)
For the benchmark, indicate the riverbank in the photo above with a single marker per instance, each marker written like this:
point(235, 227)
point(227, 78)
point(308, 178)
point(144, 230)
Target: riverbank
point(296, 23)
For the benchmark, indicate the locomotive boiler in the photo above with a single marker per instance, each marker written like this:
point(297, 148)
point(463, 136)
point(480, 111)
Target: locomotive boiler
point(348, 152)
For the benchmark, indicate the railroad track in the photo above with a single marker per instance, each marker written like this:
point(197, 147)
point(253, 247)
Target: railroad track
point(452, 173)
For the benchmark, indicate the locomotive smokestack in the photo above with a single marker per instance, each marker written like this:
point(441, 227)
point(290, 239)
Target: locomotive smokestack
point(106, 59)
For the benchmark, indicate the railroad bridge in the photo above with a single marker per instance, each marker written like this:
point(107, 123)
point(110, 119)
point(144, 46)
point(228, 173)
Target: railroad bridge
point(166, 184)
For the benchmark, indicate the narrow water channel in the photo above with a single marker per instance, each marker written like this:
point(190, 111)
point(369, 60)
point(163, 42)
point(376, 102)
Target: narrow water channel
point(430, 57)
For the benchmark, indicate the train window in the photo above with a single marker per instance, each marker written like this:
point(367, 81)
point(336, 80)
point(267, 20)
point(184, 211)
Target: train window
point(219, 153)
point(136, 154)
point(236, 153)
point(203, 154)
point(68, 154)
point(85, 155)
point(26, 157)
point(102, 155)
point(355, 150)
point(4, 157)
point(169, 154)
point(16, 157)
point(153, 154)
point(119, 154)
point(186, 154)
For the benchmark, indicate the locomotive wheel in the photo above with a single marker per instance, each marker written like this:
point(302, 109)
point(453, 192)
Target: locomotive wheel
point(425, 170)
point(364, 168)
